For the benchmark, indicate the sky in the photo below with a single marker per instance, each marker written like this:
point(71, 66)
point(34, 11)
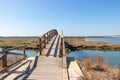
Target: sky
point(74, 17)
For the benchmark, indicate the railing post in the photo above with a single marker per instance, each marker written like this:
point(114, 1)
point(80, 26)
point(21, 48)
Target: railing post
point(24, 53)
point(40, 46)
point(47, 38)
point(4, 61)
point(44, 41)
point(61, 44)
point(61, 51)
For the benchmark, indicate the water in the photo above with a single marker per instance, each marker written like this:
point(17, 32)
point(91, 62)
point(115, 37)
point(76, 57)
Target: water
point(112, 40)
point(111, 57)
point(30, 53)
point(0, 49)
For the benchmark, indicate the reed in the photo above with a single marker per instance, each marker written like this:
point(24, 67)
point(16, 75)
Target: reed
point(97, 69)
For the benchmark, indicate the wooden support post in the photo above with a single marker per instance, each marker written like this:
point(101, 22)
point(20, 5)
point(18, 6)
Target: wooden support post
point(4, 62)
point(47, 38)
point(61, 45)
point(25, 56)
point(40, 46)
point(44, 41)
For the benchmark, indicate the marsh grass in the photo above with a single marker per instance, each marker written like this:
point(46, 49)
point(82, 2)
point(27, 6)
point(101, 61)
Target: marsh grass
point(97, 69)
point(31, 43)
point(97, 63)
point(79, 44)
point(86, 63)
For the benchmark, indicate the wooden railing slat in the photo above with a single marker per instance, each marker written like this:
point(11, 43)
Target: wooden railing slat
point(10, 49)
point(15, 63)
point(13, 53)
point(3, 58)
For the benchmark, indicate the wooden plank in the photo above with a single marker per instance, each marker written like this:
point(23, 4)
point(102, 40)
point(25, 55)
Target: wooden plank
point(65, 74)
point(52, 52)
point(48, 68)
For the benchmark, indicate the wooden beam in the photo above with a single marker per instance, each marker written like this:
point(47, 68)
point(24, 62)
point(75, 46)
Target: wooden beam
point(40, 46)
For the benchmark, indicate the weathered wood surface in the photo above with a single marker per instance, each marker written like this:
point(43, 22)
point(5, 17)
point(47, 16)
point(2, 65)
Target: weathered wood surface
point(45, 38)
point(49, 66)
point(20, 72)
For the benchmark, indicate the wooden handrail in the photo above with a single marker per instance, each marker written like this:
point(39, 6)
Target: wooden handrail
point(14, 53)
point(64, 62)
point(45, 38)
point(10, 49)
point(3, 58)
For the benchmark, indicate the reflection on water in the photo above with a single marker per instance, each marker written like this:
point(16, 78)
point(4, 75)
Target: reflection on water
point(112, 57)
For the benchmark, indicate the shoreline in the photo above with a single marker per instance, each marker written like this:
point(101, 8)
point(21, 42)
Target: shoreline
point(77, 43)
point(71, 44)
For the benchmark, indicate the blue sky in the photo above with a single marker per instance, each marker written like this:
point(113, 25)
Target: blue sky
point(74, 17)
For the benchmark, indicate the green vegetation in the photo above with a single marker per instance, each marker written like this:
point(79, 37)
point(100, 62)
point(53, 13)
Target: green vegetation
point(30, 42)
point(77, 43)
point(71, 43)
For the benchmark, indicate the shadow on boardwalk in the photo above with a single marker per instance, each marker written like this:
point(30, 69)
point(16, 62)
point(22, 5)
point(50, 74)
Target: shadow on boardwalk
point(56, 49)
point(32, 69)
point(48, 53)
point(23, 73)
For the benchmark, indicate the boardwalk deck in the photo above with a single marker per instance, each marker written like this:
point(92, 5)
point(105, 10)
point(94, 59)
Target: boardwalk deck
point(49, 66)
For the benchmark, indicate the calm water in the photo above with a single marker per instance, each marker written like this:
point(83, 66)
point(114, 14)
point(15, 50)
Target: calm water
point(112, 40)
point(30, 53)
point(0, 49)
point(111, 57)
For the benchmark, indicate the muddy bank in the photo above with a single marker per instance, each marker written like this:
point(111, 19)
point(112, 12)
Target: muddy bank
point(77, 43)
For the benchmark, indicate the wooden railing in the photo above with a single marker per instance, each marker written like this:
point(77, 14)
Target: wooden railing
point(63, 54)
point(9, 58)
point(45, 38)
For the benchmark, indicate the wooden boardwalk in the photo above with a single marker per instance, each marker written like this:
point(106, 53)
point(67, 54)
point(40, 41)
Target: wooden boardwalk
point(49, 66)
